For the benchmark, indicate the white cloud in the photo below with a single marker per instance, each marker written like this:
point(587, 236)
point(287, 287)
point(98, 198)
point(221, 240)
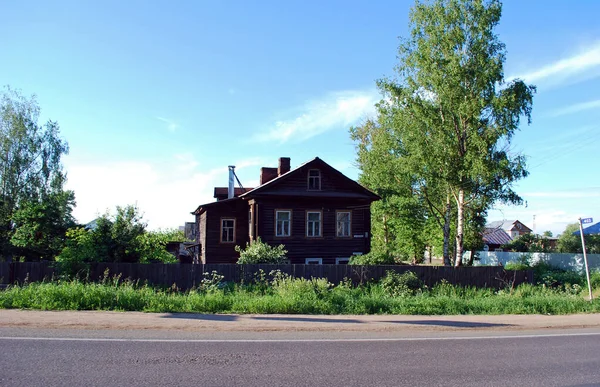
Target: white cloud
point(171, 125)
point(166, 193)
point(336, 110)
point(586, 61)
point(578, 107)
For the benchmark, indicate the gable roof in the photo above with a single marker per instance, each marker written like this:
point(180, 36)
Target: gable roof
point(496, 236)
point(506, 225)
point(358, 190)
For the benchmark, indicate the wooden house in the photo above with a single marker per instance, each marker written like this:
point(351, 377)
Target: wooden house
point(320, 215)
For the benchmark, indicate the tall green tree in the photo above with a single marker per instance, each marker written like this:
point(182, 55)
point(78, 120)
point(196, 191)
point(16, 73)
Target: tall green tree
point(452, 110)
point(30, 164)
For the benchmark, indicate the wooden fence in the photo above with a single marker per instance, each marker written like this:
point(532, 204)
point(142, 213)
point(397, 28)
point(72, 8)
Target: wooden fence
point(186, 276)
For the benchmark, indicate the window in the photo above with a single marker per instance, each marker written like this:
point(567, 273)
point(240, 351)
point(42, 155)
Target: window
point(313, 261)
point(227, 230)
point(342, 224)
point(342, 261)
point(313, 223)
point(282, 223)
point(314, 179)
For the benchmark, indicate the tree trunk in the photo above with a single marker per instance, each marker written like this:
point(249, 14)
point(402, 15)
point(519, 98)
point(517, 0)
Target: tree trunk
point(447, 214)
point(460, 204)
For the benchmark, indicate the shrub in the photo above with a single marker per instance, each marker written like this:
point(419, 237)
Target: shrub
point(372, 258)
point(400, 285)
point(260, 252)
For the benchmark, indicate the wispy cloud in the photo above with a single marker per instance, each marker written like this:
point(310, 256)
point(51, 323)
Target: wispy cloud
point(581, 65)
point(336, 110)
point(171, 125)
point(576, 108)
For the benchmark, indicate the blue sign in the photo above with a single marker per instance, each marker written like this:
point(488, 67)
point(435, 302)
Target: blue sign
point(586, 220)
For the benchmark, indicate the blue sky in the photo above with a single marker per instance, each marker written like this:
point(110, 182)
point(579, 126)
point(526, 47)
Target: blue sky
point(157, 98)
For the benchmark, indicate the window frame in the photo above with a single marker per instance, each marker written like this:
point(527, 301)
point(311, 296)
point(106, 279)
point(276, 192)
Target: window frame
point(320, 223)
point(222, 228)
point(340, 259)
point(289, 211)
point(317, 179)
point(317, 261)
point(337, 222)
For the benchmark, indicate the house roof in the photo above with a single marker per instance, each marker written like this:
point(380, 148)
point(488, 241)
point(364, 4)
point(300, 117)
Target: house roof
point(594, 229)
point(223, 202)
point(506, 224)
point(496, 236)
point(359, 190)
point(222, 192)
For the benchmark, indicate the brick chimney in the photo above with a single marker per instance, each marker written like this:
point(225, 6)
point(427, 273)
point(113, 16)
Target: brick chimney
point(267, 174)
point(284, 166)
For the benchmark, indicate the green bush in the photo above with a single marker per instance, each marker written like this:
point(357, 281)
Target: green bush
point(260, 252)
point(372, 258)
point(401, 285)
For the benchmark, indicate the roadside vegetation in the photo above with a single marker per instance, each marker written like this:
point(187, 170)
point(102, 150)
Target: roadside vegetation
point(278, 293)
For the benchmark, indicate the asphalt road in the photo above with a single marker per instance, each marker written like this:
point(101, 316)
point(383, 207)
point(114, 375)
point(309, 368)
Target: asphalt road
point(531, 359)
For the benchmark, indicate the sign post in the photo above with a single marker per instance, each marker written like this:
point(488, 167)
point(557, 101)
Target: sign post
point(587, 270)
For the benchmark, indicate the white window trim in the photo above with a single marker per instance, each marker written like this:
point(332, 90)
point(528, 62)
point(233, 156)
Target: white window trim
point(233, 230)
point(318, 179)
point(349, 223)
point(289, 224)
point(320, 223)
point(345, 259)
point(309, 261)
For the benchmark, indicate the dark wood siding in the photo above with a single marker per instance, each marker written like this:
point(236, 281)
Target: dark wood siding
point(328, 246)
point(214, 251)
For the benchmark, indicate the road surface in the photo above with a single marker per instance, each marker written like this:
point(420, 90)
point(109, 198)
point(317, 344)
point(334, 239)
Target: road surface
point(111, 349)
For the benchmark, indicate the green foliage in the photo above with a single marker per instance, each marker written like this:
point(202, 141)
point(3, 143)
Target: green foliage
point(445, 123)
point(401, 285)
point(374, 257)
point(294, 296)
point(151, 245)
point(31, 180)
point(569, 243)
point(116, 238)
point(530, 243)
point(40, 226)
point(260, 252)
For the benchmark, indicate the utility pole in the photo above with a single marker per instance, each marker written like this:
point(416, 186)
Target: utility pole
point(587, 270)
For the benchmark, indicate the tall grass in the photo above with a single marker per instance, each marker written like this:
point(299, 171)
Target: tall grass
point(291, 296)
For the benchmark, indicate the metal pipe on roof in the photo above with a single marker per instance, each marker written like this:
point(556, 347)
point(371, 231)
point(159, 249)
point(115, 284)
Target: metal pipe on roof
point(230, 187)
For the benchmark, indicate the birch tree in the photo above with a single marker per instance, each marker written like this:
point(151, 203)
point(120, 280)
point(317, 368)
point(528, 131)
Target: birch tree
point(30, 161)
point(462, 113)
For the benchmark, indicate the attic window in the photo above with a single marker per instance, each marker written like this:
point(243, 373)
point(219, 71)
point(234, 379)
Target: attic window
point(314, 179)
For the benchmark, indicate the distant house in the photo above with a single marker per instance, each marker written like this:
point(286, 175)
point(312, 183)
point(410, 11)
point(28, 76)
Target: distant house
point(494, 238)
point(320, 215)
point(501, 232)
point(514, 228)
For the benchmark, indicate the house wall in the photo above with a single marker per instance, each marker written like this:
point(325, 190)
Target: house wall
point(328, 246)
point(213, 251)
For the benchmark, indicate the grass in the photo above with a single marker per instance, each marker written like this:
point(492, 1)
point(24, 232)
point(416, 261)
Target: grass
point(283, 295)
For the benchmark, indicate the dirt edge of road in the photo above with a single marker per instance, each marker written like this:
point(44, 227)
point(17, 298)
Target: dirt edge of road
point(97, 320)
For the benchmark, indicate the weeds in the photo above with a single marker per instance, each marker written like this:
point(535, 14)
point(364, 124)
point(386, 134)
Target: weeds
point(277, 292)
